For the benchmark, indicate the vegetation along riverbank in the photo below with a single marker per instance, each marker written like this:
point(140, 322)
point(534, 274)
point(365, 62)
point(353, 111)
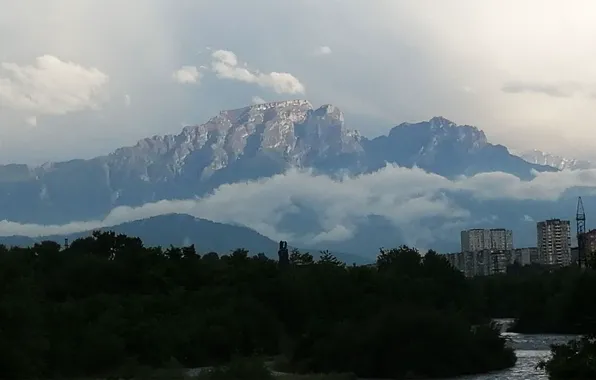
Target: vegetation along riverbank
point(107, 305)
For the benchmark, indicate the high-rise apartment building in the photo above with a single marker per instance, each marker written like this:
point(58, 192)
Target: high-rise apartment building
point(480, 239)
point(590, 247)
point(554, 242)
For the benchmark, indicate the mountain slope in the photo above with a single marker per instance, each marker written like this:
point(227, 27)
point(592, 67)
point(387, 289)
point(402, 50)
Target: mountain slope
point(177, 230)
point(183, 230)
point(238, 145)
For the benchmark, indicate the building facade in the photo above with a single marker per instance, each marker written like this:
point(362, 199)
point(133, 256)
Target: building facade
point(488, 262)
point(492, 239)
point(554, 242)
point(590, 237)
point(526, 256)
point(574, 255)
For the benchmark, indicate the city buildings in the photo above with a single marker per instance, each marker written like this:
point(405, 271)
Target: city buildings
point(490, 251)
point(477, 239)
point(526, 256)
point(554, 242)
point(575, 255)
point(488, 262)
point(590, 237)
point(590, 247)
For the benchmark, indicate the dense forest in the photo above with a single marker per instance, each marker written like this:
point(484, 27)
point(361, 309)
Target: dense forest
point(108, 306)
point(542, 300)
point(545, 300)
point(107, 303)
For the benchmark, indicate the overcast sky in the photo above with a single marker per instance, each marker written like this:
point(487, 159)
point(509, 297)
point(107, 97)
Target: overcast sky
point(80, 78)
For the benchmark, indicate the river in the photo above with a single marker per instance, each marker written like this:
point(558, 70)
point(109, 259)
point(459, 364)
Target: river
point(530, 350)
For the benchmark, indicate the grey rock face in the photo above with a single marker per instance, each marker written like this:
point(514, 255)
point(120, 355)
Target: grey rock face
point(291, 131)
point(238, 145)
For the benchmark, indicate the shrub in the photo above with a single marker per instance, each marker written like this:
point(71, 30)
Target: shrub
point(239, 369)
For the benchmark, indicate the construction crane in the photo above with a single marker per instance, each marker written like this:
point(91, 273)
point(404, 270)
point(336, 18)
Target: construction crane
point(580, 220)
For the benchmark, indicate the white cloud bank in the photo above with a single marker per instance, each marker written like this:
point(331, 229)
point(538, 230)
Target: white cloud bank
point(187, 75)
point(405, 197)
point(50, 86)
point(226, 66)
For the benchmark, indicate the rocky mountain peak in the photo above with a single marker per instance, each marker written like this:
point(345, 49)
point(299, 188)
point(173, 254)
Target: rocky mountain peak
point(439, 131)
point(291, 130)
point(439, 122)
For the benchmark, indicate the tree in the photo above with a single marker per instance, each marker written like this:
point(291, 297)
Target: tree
point(108, 305)
point(403, 259)
point(300, 258)
point(327, 258)
point(574, 360)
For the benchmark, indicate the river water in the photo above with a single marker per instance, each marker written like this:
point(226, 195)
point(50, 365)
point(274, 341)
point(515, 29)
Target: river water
point(530, 350)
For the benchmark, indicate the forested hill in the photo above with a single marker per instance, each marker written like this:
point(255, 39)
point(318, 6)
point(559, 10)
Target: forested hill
point(173, 229)
point(183, 229)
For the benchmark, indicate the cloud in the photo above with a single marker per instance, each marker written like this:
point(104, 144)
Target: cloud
point(323, 50)
point(555, 90)
point(50, 86)
point(340, 205)
point(258, 100)
point(396, 61)
point(468, 89)
point(187, 75)
point(127, 100)
point(31, 120)
point(226, 66)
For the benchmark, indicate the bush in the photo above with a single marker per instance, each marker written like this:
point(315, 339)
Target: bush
point(574, 360)
point(239, 369)
point(331, 376)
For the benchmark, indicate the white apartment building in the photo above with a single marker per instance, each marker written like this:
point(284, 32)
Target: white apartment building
point(554, 242)
point(492, 239)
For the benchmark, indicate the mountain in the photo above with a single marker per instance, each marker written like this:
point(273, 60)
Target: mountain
point(177, 230)
point(238, 145)
point(183, 230)
point(440, 146)
point(561, 163)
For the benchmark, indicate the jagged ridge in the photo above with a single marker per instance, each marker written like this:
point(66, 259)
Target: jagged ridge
point(236, 145)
